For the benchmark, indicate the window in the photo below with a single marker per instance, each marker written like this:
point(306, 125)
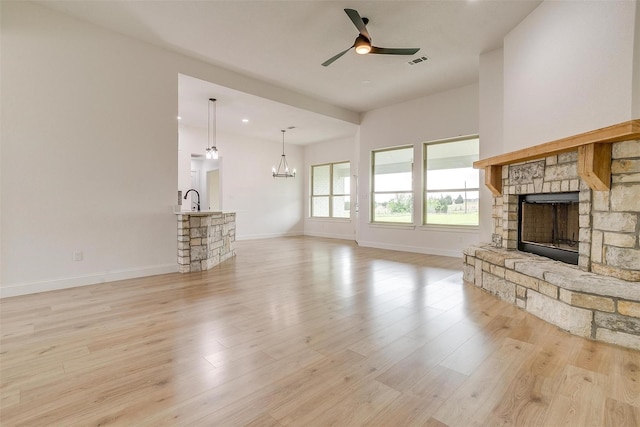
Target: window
point(330, 190)
point(392, 185)
point(451, 184)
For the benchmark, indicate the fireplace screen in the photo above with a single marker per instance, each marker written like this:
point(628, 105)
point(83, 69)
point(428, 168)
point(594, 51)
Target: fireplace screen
point(548, 225)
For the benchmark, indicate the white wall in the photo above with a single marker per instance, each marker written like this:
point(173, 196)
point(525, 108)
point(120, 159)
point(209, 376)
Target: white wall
point(439, 116)
point(567, 70)
point(89, 153)
point(491, 124)
point(330, 152)
point(265, 206)
point(189, 142)
point(635, 107)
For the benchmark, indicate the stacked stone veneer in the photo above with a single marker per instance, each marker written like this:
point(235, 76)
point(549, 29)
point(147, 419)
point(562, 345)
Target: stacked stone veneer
point(585, 304)
point(205, 240)
point(599, 298)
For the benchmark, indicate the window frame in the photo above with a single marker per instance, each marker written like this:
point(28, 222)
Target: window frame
point(373, 192)
point(331, 194)
point(425, 190)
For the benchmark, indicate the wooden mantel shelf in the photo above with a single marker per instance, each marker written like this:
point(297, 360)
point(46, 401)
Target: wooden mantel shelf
point(594, 155)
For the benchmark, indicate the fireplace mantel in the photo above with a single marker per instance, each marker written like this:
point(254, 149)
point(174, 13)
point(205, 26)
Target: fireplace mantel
point(594, 155)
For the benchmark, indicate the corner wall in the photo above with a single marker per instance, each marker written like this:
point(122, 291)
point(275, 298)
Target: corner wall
point(491, 124)
point(568, 70)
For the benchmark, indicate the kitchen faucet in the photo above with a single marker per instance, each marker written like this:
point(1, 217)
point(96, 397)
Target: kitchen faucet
point(197, 194)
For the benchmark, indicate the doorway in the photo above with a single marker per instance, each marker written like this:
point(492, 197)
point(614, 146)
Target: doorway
point(206, 179)
point(213, 185)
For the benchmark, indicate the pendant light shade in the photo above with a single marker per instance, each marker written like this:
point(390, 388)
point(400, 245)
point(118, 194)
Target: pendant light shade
point(212, 151)
point(283, 167)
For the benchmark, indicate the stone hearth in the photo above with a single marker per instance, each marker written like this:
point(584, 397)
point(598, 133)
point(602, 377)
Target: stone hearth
point(585, 304)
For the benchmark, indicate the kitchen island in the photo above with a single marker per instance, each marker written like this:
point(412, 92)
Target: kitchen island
point(205, 239)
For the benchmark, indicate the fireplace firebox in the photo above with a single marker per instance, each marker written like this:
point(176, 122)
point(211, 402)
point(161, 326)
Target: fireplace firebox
point(548, 225)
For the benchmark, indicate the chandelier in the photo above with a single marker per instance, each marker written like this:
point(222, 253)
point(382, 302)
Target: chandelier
point(283, 167)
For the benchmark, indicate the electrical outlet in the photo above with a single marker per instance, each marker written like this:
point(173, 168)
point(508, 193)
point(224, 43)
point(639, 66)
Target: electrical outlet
point(77, 255)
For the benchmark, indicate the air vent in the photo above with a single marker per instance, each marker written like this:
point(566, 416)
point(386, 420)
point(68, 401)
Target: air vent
point(418, 60)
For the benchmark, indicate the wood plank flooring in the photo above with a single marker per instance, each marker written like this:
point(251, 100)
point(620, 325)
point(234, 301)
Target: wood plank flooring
point(303, 332)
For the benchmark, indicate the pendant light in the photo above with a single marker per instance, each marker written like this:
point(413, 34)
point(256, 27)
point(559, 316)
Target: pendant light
point(283, 167)
point(212, 151)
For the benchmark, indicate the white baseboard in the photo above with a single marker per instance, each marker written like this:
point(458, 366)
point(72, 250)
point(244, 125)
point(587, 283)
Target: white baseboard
point(13, 290)
point(268, 236)
point(331, 236)
point(414, 249)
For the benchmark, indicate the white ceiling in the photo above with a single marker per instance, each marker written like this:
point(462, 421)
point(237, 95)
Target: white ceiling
point(284, 42)
point(266, 117)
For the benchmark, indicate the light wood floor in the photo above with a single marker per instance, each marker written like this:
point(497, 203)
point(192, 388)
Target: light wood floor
point(303, 332)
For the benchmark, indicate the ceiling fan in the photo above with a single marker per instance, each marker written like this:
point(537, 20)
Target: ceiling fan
point(363, 41)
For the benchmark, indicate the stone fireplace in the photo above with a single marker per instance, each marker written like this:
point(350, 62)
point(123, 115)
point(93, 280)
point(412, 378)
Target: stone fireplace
point(607, 222)
point(549, 203)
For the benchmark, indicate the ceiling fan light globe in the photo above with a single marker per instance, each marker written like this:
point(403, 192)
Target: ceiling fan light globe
point(362, 45)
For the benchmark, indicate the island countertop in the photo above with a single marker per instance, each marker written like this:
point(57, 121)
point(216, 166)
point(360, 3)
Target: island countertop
point(201, 213)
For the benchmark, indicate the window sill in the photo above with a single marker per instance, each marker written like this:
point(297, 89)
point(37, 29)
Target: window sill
point(470, 229)
point(328, 219)
point(392, 225)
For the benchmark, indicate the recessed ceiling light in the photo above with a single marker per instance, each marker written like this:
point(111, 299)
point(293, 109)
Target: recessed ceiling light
point(245, 120)
point(179, 118)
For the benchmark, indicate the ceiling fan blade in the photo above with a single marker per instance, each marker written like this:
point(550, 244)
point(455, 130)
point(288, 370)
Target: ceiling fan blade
point(333, 58)
point(394, 51)
point(358, 22)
